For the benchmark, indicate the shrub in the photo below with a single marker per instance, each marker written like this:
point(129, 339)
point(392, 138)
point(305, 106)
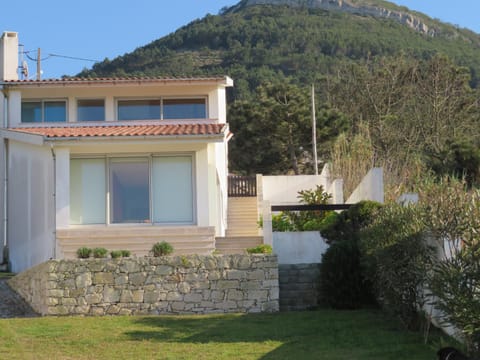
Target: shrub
point(100, 253)
point(115, 254)
point(342, 284)
point(125, 253)
point(456, 283)
point(302, 220)
point(161, 249)
point(84, 253)
point(282, 223)
point(397, 259)
point(452, 215)
point(260, 249)
point(311, 217)
point(347, 224)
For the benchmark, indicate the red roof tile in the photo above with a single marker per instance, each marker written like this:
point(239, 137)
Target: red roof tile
point(126, 130)
point(75, 80)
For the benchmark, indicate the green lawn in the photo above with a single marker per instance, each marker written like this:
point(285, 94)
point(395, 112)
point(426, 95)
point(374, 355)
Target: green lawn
point(322, 334)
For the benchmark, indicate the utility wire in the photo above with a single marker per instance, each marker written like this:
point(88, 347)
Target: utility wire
point(58, 55)
point(72, 57)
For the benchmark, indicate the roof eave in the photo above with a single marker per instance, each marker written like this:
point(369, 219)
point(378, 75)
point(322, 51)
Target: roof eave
point(131, 138)
point(224, 81)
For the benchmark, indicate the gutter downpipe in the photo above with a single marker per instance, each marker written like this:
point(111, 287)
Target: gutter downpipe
point(54, 158)
point(5, 180)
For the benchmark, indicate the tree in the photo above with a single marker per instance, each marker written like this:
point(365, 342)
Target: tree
point(273, 130)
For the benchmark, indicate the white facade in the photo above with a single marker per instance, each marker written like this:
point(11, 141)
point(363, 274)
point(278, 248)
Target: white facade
point(45, 140)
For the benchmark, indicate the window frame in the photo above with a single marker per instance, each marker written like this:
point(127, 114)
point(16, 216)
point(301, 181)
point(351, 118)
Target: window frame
point(42, 110)
point(161, 99)
point(205, 98)
point(149, 156)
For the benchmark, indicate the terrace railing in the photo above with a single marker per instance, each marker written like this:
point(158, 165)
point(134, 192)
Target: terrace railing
point(242, 186)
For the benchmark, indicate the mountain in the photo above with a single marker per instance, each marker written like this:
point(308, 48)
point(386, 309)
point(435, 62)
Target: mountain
point(371, 62)
point(258, 39)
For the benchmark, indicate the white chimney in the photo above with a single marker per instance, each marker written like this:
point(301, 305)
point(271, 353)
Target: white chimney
point(9, 56)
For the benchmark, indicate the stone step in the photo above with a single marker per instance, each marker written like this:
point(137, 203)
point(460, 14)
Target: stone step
point(236, 244)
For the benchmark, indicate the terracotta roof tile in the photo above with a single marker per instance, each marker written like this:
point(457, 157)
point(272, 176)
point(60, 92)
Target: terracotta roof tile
point(77, 80)
point(125, 130)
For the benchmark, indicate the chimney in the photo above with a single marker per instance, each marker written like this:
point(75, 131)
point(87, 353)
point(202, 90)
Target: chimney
point(9, 56)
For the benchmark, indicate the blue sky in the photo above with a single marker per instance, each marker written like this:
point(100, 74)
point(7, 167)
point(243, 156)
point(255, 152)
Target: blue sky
point(96, 29)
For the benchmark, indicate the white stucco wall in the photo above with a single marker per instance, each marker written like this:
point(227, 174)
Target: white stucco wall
point(31, 205)
point(2, 193)
point(283, 190)
point(14, 108)
point(370, 188)
point(62, 187)
point(305, 247)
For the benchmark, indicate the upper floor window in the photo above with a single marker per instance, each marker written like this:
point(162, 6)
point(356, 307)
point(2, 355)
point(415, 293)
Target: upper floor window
point(157, 109)
point(44, 111)
point(184, 108)
point(91, 110)
point(139, 110)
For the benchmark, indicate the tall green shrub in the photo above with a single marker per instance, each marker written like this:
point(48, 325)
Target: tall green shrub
point(452, 215)
point(342, 280)
point(342, 283)
point(396, 259)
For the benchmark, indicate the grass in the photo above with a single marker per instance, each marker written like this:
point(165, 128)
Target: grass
point(322, 334)
point(5, 275)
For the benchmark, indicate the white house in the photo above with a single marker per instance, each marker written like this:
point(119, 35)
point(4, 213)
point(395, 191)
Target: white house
point(119, 163)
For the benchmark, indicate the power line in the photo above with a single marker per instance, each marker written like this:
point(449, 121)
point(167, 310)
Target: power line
point(72, 57)
point(58, 55)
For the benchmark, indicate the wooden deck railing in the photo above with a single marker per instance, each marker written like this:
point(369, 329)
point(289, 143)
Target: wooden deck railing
point(242, 186)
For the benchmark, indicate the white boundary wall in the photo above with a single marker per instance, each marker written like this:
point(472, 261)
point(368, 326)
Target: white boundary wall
point(371, 188)
point(305, 247)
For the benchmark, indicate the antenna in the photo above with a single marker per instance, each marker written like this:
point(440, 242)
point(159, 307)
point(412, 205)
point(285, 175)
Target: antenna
point(24, 70)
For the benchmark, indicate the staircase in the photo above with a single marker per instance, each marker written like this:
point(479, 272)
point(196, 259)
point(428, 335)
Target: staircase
point(236, 244)
point(242, 217)
point(139, 240)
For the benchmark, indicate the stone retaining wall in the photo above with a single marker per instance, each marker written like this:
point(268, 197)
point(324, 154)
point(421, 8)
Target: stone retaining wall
point(141, 286)
point(299, 286)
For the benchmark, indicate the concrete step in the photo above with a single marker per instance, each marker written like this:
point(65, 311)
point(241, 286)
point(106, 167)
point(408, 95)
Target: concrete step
point(236, 244)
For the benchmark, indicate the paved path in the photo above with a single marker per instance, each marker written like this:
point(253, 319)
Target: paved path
point(11, 304)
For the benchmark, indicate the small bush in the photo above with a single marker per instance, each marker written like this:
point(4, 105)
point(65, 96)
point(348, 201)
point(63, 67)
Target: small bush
point(115, 254)
point(162, 249)
point(84, 253)
point(342, 283)
point(260, 249)
point(125, 253)
point(99, 253)
point(281, 223)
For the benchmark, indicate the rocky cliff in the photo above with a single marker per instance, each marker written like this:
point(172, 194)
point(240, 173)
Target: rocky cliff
point(355, 7)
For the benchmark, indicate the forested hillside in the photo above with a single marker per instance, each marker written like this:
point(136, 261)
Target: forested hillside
point(387, 95)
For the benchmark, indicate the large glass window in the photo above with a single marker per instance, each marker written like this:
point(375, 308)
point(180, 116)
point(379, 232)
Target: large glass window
point(156, 189)
point(170, 109)
point(87, 191)
point(184, 109)
point(172, 189)
point(91, 110)
point(129, 190)
point(139, 110)
point(44, 111)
